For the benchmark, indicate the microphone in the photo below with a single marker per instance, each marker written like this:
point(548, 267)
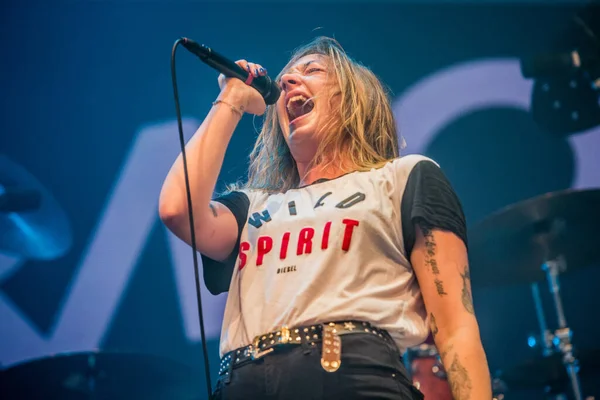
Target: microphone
point(269, 89)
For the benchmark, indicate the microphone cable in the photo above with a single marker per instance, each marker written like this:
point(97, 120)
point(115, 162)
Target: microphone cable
point(191, 217)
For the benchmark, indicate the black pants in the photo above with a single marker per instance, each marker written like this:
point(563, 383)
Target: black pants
point(371, 368)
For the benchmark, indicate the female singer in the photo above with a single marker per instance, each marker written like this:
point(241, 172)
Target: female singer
point(337, 253)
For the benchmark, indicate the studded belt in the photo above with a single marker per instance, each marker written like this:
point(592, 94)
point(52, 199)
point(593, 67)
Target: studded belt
point(328, 333)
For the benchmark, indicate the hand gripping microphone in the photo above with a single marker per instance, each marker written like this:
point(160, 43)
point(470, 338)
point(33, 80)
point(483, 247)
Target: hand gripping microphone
point(269, 89)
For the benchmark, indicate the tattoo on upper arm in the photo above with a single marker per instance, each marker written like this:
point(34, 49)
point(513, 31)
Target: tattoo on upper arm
point(439, 285)
point(430, 261)
point(429, 248)
point(459, 380)
point(433, 325)
point(467, 298)
point(213, 209)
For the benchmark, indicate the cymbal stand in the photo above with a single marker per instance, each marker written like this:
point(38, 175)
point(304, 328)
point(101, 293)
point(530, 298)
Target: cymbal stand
point(563, 334)
point(545, 335)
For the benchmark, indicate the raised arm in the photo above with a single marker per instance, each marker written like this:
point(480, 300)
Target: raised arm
point(440, 261)
point(215, 226)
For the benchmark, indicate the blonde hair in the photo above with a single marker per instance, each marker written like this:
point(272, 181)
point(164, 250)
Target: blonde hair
point(361, 132)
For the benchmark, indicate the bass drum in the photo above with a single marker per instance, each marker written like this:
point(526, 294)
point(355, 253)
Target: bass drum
point(427, 372)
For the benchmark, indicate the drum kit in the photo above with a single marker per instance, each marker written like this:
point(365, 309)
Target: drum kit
point(530, 242)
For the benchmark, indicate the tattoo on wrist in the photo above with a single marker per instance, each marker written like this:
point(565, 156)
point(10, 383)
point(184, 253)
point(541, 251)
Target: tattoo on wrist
point(459, 380)
point(213, 209)
point(467, 297)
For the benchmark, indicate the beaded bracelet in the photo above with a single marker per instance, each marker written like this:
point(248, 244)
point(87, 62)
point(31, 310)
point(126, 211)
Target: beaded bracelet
point(239, 111)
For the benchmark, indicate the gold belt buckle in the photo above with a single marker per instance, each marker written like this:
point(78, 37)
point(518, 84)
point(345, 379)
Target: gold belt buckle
point(332, 349)
point(256, 353)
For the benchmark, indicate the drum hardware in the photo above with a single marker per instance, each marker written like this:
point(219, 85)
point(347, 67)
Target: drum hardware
point(562, 336)
point(438, 368)
point(549, 372)
point(546, 337)
point(566, 87)
point(537, 240)
point(498, 389)
point(558, 341)
point(519, 239)
point(423, 364)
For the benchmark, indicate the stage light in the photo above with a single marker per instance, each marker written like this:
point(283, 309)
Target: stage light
point(566, 92)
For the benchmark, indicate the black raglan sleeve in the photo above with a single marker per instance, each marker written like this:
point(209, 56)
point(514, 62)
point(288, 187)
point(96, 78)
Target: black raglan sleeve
point(430, 199)
point(217, 274)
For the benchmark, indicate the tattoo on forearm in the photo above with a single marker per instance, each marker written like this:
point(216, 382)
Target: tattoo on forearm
point(459, 380)
point(430, 248)
point(213, 209)
point(467, 297)
point(433, 325)
point(445, 353)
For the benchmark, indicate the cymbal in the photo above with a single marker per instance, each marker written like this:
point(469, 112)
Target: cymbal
point(41, 232)
point(100, 375)
point(511, 245)
point(540, 372)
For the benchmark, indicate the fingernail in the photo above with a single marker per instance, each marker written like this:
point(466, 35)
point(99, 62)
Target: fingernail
point(256, 70)
point(262, 70)
point(248, 67)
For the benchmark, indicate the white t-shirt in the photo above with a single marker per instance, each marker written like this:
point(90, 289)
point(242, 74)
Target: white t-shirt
point(329, 251)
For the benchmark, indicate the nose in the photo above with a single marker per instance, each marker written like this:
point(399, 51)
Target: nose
point(289, 81)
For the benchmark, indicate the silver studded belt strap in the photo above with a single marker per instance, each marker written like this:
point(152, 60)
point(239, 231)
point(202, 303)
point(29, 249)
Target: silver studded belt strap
point(328, 333)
